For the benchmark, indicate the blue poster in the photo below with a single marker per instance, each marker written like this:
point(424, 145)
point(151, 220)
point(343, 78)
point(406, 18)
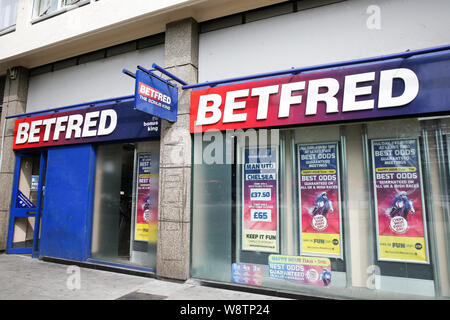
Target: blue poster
point(260, 200)
point(243, 273)
point(34, 183)
point(156, 97)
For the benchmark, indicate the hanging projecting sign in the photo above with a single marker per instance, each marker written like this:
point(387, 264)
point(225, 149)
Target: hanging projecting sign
point(399, 201)
point(319, 197)
point(112, 122)
point(156, 97)
point(400, 87)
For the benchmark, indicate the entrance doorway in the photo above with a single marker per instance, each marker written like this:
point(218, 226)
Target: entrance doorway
point(124, 229)
point(27, 203)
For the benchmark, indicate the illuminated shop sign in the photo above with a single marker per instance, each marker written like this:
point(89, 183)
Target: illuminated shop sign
point(97, 124)
point(400, 87)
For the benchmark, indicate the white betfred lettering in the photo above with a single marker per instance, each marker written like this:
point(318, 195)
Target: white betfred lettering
point(351, 91)
point(287, 99)
point(355, 90)
point(231, 105)
point(22, 132)
point(48, 126)
point(112, 116)
point(203, 109)
point(143, 89)
point(59, 127)
point(328, 97)
point(34, 130)
point(90, 123)
point(74, 125)
point(411, 82)
point(153, 93)
point(263, 102)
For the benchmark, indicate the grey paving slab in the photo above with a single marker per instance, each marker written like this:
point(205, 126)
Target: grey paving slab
point(207, 293)
point(24, 278)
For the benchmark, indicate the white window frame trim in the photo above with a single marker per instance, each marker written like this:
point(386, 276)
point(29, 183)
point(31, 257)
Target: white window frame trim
point(61, 9)
point(10, 28)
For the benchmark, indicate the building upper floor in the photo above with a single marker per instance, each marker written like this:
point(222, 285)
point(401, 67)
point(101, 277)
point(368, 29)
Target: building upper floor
point(37, 32)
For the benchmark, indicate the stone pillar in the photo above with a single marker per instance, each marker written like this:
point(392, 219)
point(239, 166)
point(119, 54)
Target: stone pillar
point(173, 253)
point(14, 102)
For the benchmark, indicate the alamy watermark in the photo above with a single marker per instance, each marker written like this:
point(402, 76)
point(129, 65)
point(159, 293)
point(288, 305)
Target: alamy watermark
point(373, 22)
point(218, 147)
point(73, 281)
point(373, 281)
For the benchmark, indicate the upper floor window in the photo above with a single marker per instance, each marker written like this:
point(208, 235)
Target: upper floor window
point(44, 8)
point(8, 14)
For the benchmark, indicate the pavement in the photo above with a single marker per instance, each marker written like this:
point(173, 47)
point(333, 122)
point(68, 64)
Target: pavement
point(25, 278)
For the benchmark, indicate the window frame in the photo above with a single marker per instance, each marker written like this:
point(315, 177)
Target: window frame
point(61, 8)
point(11, 27)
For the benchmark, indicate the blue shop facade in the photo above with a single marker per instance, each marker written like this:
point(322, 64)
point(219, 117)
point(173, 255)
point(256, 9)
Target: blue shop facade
point(86, 184)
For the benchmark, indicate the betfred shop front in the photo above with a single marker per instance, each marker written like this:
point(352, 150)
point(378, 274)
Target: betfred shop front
point(86, 184)
point(326, 181)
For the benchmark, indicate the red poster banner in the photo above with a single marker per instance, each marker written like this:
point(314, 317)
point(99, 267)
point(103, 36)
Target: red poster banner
point(400, 211)
point(147, 200)
point(320, 200)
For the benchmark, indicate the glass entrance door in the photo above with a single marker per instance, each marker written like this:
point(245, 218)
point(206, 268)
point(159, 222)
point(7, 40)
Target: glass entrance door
point(27, 203)
point(125, 215)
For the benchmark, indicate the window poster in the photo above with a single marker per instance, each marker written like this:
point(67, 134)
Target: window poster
point(34, 183)
point(304, 270)
point(146, 222)
point(260, 200)
point(399, 205)
point(249, 274)
point(319, 200)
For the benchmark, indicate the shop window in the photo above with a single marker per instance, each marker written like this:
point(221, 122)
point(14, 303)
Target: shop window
point(8, 15)
point(126, 204)
point(254, 207)
point(355, 210)
point(402, 214)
